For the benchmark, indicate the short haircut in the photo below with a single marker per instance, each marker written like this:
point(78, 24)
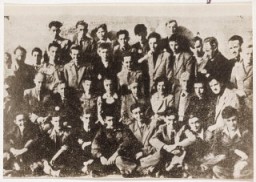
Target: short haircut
point(103, 26)
point(83, 23)
point(61, 81)
point(139, 28)
point(107, 114)
point(137, 105)
point(176, 38)
point(200, 78)
point(161, 79)
point(104, 45)
point(197, 38)
point(229, 112)
point(212, 41)
point(56, 24)
point(54, 44)
point(120, 32)
point(237, 37)
point(210, 78)
point(154, 35)
point(75, 47)
point(127, 54)
point(171, 111)
point(171, 21)
point(36, 49)
point(21, 49)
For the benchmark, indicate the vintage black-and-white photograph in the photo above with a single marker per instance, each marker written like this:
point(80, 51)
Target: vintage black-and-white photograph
point(128, 91)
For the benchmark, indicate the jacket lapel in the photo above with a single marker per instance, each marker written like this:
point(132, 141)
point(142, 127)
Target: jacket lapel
point(158, 61)
point(80, 74)
point(178, 64)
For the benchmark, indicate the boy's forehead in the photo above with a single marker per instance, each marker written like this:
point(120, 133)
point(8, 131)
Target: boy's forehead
point(20, 116)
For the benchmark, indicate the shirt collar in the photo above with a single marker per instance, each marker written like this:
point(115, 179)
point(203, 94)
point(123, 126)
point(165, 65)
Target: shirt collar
point(237, 132)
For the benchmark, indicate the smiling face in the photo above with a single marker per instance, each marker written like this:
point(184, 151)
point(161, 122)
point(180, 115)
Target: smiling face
point(75, 55)
point(104, 54)
point(194, 124)
point(170, 120)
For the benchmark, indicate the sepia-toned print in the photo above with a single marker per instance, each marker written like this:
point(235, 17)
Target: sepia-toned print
point(128, 91)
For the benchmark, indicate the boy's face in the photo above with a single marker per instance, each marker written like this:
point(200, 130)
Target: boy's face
point(198, 48)
point(134, 87)
point(108, 85)
point(37, 56)
point(39, 82)
point(231, 123)
point(123, 40)
point(248, 55)
point(234, 48)
point(127, 62)
point(62, 90)
point(101, 34)
point(104, 54)
point(153, 44)
point(82, 31)
point(53, 52)
point(199, 89)
point(170, 120)
point(171, 28)
point(86, 120)
point(194, 124)
point(209, 50)
point(174, 46)
point(160, 87)
point(109, 122)
point(56, 122)
point(75, 55)
point(141, 36)
point(184, 83)
point(87, 84)
point(54, 32)
point(137, 114)
point(20, 120)
point(215, 86)
point(20, 56)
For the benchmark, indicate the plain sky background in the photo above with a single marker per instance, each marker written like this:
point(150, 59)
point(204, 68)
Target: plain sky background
point(27, 25)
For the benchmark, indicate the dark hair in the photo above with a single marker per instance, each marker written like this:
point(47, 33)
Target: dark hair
point(103, 26)
point(36, 49)
point(21, 49)
point(176, 38)
point(137, 105)
point(171, 21)
point(75, 47)
point(54, 44)
point(212, 41)
point(83, 23)
point(237, 37)
point(196, 38)
point(154, 35)
point(229, 112)
point(56, 24)
point(127, 54)
point(200, 78)
point(139, 28)
point(120, 32)
point(210, 78)
point(171, 111)
point(160, 79)
point(104, 45)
